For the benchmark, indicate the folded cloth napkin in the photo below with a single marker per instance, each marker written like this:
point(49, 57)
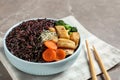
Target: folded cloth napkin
point(80, 69)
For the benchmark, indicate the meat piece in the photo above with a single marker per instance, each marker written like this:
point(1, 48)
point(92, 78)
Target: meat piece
point(66, 43)
point(69, 51)
point(62, 32)
point(51, 29)
point(75, 37)
point(54, 39)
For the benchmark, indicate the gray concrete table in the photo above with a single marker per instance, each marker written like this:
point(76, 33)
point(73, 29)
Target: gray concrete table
point(100, 17)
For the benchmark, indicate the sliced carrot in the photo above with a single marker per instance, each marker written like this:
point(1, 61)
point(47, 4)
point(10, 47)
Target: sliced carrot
point(60, 54)
point(49, 55)
point(50, 44)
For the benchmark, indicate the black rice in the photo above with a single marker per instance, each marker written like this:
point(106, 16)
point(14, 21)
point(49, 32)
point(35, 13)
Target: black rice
point(24, 40)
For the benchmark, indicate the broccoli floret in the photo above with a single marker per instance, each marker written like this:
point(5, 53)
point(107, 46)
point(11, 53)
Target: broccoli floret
point(73, 29)
point(60, 22)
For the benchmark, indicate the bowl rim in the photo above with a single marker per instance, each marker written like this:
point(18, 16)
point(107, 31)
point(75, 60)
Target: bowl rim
point(36, 63)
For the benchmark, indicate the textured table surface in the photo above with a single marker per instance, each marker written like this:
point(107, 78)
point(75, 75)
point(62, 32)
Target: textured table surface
point(100, 17)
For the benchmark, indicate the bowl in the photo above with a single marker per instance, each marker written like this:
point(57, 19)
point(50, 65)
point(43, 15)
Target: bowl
point(40, 68)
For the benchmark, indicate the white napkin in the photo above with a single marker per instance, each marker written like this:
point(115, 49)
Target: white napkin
point(80, 69)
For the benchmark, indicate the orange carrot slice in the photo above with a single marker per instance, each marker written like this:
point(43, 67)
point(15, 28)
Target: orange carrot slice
point(49, 55)
point(50, 44)
point(60, 54)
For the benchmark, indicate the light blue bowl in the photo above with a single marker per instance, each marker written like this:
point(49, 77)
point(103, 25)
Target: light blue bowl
point(40, 68)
